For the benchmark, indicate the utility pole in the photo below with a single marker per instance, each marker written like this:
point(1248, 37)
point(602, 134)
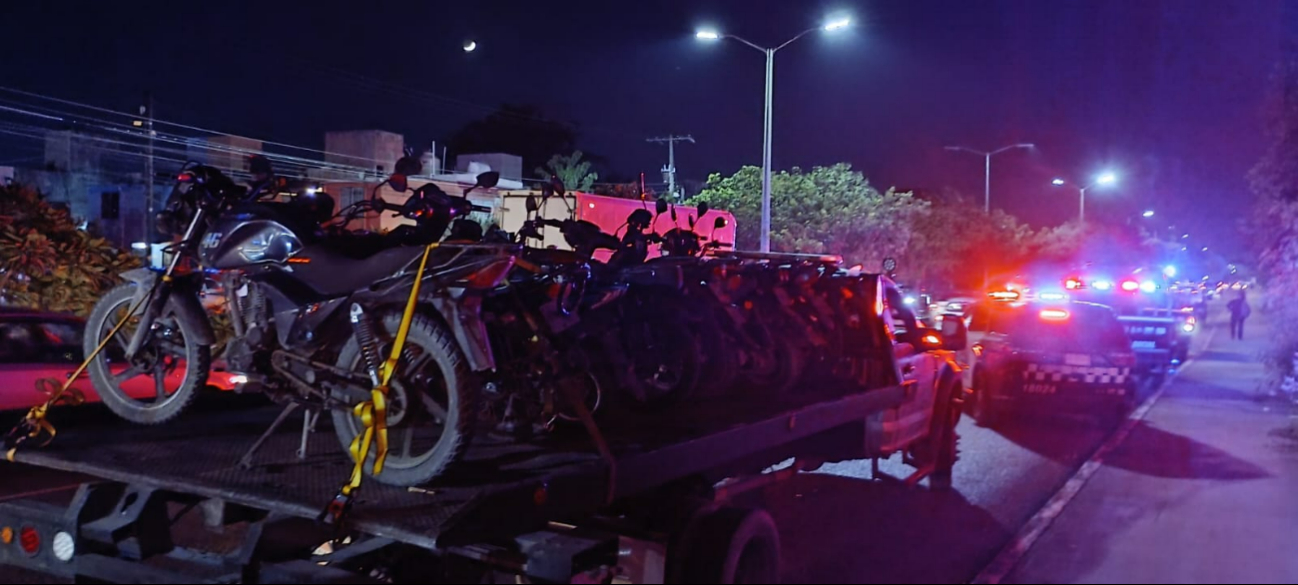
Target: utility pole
point(670, 169)
point(146, 110)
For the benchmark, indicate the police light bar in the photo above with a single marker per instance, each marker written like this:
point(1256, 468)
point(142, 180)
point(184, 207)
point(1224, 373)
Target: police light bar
point(1052, 296)
point(1130, 285)
point(1004, 295)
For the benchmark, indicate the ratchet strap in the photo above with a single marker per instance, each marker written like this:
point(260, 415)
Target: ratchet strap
point(373, 412)
point(34, 424)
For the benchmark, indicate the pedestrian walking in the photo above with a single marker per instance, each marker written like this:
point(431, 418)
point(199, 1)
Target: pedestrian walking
point(1239, 311)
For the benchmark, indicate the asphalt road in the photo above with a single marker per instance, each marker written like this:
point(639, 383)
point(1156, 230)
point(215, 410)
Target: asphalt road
point(838, 526)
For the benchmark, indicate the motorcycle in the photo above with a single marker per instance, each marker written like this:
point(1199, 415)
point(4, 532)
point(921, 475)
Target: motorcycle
point(313, 313)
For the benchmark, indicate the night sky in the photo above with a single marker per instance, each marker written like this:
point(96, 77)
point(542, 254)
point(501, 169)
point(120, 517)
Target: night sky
point(1167, 93)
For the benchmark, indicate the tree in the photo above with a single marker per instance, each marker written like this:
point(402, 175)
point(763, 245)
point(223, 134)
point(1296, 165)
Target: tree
point(522, 130)
point(46, 262)
point(826, 210)
point(1274, 179)
point(956, 243)
point(571, 169)
point(626, 191)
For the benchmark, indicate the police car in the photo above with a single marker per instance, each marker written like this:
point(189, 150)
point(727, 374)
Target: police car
point(1061, 354)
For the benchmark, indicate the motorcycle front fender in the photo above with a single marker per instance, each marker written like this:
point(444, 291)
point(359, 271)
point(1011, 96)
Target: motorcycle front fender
point(183, 300)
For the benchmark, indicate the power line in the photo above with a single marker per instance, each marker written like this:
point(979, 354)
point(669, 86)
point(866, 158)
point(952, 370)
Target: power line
point(179, 125)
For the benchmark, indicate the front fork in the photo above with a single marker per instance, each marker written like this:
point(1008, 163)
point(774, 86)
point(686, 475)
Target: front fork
point(162, 289)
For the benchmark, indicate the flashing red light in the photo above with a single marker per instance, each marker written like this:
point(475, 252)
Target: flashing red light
point(1054, 314)
point(932, 340)
point(1004, 295)
point(1130, 285)
point(1072, 284)
point(185, 177)
point(29, 540)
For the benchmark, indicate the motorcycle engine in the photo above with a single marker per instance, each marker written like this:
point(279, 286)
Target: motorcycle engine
point(242, 351)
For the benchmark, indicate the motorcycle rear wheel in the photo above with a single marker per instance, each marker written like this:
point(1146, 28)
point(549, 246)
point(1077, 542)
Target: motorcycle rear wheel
point(432, 401)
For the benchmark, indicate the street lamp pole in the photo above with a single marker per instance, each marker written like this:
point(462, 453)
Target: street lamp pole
point(987, 173)
point(1104, 179)
point(765, 241)
point(1081, 212)
point(765, 244)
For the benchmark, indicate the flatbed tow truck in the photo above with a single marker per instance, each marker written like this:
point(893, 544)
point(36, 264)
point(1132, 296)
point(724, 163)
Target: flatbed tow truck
point(172, 504)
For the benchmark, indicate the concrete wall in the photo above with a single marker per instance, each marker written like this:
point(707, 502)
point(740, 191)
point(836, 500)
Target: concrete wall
point(365, 148)
point(223, 152)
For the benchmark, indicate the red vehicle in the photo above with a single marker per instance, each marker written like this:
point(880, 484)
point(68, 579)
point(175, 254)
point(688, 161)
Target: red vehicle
point(36, 346)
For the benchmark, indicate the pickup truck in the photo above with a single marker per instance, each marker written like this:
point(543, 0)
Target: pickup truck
point(173, 504)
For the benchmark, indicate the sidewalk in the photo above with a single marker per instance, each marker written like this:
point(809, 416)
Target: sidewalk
point(1203, 490)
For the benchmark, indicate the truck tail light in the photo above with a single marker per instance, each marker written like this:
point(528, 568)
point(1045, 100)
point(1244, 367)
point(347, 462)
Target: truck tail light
point(29, 540)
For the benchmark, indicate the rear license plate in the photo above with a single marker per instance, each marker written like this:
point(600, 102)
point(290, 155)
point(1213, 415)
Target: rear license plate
point(1144, 344)
point(1077, 359)
point(1034, 388)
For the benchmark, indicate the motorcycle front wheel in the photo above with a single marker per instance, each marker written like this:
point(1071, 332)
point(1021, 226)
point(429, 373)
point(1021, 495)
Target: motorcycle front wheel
point(431, 402)
point(165, 375)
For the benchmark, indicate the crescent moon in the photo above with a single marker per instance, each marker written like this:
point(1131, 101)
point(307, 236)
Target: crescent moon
point(470, 46)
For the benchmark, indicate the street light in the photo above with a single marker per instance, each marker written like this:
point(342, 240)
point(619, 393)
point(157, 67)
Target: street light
point(987, 176)
point(713, 35)
point(1103, 179)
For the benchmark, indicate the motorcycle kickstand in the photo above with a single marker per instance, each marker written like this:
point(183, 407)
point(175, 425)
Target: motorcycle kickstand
point(309, 419)
point(245, 462)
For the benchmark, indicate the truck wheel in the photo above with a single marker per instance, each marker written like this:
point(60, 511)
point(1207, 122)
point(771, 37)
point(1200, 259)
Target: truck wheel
point(943, 441)
point(730, 545)
point(984, 410)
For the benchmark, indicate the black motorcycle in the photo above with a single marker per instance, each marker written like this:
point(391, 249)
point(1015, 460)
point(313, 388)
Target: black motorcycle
point(314, 313)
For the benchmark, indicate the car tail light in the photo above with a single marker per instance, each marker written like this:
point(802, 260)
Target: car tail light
point(6, 535)
point(1054, 314)
point(29, 540)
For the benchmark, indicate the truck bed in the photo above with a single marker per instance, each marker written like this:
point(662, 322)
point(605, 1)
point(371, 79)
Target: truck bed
point(501, 487)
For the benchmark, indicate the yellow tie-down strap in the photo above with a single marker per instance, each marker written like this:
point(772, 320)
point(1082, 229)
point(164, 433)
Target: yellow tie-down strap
point(34, 424)
point(373, 412)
